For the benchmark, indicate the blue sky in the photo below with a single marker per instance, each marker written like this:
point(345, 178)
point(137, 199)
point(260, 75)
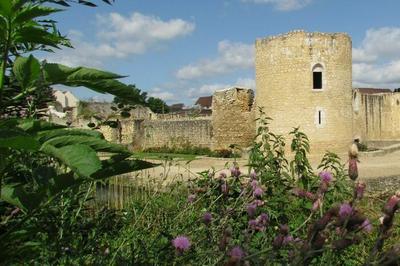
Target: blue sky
point(179, 50)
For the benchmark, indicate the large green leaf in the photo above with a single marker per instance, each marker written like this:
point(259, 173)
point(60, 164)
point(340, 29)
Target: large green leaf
point(26, 71)
point(99, 145)
point(15, 194)
point(34, 11)
point(57, 73)
point(33, 126)
point(43, 136)
point(97, 80)
point(80, 158)
point(5, 7)
point(39, 36)
point(17, 139)
point(122, 167)
point(110, 86)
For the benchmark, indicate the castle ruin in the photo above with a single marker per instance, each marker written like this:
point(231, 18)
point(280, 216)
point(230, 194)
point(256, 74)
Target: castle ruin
point(302, 80)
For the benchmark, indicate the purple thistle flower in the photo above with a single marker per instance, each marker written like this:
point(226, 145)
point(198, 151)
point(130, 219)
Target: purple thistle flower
point(263, 219)
point(235, 172)
point(302, 193)
point(253, 224)
point(207, 218)
point(191, 198)
point(367, 226)
point(253, 175)
point(236, 253)
point(360, 188)
point(316, 205)
point(224, 188)
point(391, 206)
point(222, 175)
point(284, 229)
point(345, 210)
point(181, 243)
point(287, 240)
point(251, 209)
point(254, 184)
point(325, 176)
point(258, 192)
point(258, 202)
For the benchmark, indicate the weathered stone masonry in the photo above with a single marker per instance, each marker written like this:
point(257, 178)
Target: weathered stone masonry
point(284, 81)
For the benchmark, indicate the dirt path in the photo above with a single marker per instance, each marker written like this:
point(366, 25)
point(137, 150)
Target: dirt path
point(387, 165)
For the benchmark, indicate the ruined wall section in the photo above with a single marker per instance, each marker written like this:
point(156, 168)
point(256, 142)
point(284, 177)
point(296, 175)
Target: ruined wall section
point(376, 116)
point(284, 82)
point(175, 133)
point(233, 118)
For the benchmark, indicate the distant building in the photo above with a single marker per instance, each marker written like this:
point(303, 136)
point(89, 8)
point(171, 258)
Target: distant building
point(65, 100)
point(372, 90)
point(178, 107)
point(204, 102)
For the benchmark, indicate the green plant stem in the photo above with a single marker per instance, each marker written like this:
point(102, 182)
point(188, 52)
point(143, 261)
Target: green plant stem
point(84, 200)
point(4, 61)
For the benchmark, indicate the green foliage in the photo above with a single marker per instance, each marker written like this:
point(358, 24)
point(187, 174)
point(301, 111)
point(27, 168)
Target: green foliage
point(157, 105)
point(187, 148)
point(138, 97)
point(41, 160)
point(75, 149)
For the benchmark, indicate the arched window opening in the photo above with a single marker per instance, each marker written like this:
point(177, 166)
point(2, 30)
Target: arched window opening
point(318, 71)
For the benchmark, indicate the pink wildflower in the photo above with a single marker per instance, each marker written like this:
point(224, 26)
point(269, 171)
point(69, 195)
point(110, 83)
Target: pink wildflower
point(251, 209)
point(258, 202)
point(235, 171)
point(254, 184)
point(207, 218)
point(191, 198)
point(391, 206)
point(236, 253)
point(345, 210)
point(181, 243)
point(224, 188)
point(359, 191)
point(287, 240)
point(325, 176)
point(222, 175)
point(366, 226)
point(258, 192)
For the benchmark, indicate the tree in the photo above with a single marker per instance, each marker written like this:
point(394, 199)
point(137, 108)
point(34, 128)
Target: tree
point(157, 105)
point(136, 97)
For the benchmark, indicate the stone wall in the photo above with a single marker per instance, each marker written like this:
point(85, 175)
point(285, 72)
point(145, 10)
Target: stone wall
point(233, 118)
point(284, 82)
point(376, 116)
point(174, 133)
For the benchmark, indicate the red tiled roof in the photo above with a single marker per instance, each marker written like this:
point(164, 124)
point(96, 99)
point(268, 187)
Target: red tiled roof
point(204, 101)
point(373, 90)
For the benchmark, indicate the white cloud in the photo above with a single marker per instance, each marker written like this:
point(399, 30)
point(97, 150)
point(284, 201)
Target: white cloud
point(376, 62)
point(282, 5)
point(163, 95)
point(120, 37)
point(231, 56)
point(209, 89)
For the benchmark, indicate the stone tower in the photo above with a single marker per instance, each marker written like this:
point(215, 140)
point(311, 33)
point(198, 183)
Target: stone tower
point(233, 119)
point(305, 79)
